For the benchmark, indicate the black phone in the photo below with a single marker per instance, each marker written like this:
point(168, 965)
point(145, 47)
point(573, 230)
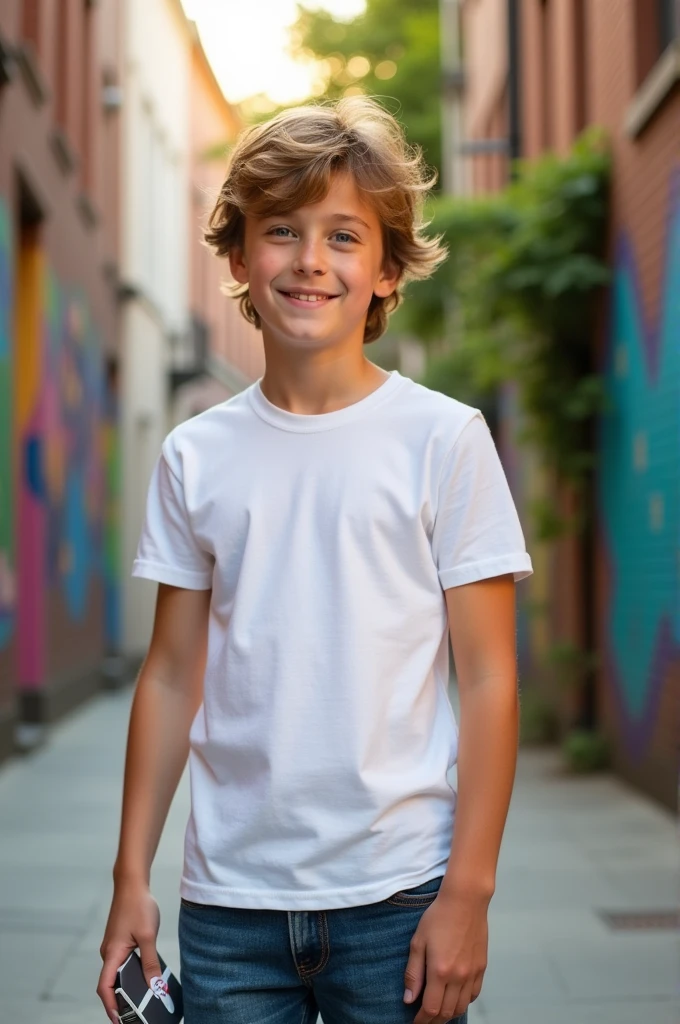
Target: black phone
point(160, 1004)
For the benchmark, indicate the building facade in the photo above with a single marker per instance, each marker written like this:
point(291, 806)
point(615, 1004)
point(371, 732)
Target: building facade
point(223, 353)
point(613, 63)
point(485, 33)
point(154, 277)
point(113, 328)
point(58, 325)
point(184, 345)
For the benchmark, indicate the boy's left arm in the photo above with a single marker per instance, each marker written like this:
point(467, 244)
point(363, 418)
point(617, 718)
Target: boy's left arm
point(449, 948)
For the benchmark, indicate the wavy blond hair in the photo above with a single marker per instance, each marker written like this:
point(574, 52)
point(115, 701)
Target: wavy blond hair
point(288, 162)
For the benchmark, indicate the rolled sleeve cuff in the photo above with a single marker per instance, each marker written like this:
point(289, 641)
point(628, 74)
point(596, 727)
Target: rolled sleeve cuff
point(518, 564)
point(172, 575)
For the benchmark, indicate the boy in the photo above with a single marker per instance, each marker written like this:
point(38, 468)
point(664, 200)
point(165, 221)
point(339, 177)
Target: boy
point(315, 538)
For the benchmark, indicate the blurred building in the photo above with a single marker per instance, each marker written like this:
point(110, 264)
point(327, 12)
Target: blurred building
point(154, 265)
point(113, 133)
point(222, 352)
point(616, 63)
point(184, 345)
point(487, 83)
point(58, 327)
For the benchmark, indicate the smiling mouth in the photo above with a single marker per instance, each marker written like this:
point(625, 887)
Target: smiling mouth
point(310, 299)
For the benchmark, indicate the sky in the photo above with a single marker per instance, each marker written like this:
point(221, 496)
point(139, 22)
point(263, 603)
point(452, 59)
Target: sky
point(246, 41)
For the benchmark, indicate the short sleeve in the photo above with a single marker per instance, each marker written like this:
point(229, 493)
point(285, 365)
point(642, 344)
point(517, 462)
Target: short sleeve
point(477, 533)
point(168, 551)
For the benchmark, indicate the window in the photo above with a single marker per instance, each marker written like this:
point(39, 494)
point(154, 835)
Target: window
point(657, 25)
point(30, 21)
point(657, 60)
point(30, 57)
point(667, 17)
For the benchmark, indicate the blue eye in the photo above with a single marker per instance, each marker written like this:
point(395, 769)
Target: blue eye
point(344, 236)
point(275, 231)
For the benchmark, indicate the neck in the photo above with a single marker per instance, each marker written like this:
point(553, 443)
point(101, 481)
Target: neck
point(319, 383)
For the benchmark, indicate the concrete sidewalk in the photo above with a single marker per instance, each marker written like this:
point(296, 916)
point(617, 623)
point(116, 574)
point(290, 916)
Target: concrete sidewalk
point(573, 847)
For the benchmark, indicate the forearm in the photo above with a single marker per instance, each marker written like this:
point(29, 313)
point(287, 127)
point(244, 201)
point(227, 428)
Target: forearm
point(157, 750)
point(486, 769)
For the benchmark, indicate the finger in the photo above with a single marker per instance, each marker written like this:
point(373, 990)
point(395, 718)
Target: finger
point(451, 1002)
point(107, 979)
point(414, 975)
point(477, 986)
point(149, 958)
point(432, 1001)
point(464, 1000)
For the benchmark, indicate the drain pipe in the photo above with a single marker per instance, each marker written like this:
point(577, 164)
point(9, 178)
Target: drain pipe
point(514, 114)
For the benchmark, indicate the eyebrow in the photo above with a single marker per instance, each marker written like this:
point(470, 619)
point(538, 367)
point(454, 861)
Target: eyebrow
point(343, 218)
point(350, 217)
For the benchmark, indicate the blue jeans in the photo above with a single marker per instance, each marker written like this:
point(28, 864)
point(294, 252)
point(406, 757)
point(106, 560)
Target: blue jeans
point(278, 967)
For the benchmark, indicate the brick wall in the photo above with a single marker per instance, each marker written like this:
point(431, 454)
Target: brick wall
point(584, 62)
point(58, 320)
point(584, 65)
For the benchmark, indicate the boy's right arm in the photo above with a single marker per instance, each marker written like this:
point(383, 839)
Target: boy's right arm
point(168, 694)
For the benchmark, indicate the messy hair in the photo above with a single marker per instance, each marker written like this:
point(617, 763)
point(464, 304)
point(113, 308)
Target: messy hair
point(288, 162)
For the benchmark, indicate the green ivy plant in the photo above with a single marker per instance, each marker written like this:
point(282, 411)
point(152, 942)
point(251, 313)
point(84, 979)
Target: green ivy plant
point(515, 302)
point(570, 665)
point(586, 751)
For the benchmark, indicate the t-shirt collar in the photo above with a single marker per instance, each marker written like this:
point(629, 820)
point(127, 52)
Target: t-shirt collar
point(303, 423)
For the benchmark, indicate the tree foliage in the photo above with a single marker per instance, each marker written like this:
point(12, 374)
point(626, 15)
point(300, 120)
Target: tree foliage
point(398, 38)
point(515, 300)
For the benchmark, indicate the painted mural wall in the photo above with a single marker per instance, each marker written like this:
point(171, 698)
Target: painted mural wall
point(7, 558)
point(639, 492)
point(59, 517)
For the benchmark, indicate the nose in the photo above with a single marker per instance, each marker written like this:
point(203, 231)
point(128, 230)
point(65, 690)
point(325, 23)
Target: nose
point(309, 258)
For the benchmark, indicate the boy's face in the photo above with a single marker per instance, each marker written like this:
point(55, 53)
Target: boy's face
point(312, 272)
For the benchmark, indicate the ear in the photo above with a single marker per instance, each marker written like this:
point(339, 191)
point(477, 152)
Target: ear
point(237, 265)
point(390, 276)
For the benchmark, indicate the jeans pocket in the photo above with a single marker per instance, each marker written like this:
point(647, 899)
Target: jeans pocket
point(420, 896)
point(193, 906)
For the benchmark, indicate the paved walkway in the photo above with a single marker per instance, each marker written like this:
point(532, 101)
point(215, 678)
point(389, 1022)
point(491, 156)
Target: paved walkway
point(573, 847)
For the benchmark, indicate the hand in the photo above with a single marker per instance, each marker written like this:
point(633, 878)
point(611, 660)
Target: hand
point(133, 922)
point(448, 956)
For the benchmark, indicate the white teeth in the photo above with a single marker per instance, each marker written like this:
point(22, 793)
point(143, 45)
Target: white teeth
point(308, 298)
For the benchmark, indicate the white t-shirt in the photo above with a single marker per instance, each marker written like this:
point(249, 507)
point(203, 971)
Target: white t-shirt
point(319, 756)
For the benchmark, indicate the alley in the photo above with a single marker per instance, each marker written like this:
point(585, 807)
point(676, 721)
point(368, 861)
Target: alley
point(573, 847)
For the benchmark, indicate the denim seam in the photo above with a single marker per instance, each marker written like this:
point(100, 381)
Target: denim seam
point(325, 947)
point(310, 972)
point(190, 904)
point(291, 940)
point(303, 973)
point(423, 900)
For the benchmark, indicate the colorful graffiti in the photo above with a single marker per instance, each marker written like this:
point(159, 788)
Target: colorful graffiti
point(62, 499)
point(7, 568)
point(58, 518)
point(81, 459)
point(74, 399)
point(30, 429)
point(639, 488)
